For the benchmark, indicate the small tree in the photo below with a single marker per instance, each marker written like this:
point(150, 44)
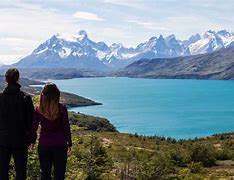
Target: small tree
point(204, 154)
point(156, 168)
point(97, 161)
point(180, 157)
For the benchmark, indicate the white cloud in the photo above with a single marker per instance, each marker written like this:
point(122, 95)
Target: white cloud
point(33, 24)
point(136, 4)
point(148, 25)
point(184, 26)
point(16, 42)
point(112, 34)
point(24, 28)
point(87, 16)
point(9, 58)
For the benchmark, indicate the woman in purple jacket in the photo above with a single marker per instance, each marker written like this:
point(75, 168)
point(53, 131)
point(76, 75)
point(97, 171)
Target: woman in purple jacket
point(55, 135)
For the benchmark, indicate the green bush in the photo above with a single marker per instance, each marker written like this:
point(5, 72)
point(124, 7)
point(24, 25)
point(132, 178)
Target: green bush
point(204, 154)
point(158, 167)
point(224, 154)
point(195, 167)
point(95, 161)
point(180, 157)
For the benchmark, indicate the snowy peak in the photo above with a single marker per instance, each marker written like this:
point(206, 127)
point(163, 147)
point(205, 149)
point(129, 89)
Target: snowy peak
point(162, 47)
point(116, 46)
point(227, 37)
point(209, 34)
point(171, 37)
point(81, 35)
point(153, 39)
point(211, 41)
point(225, 33)
point(195, 37)
point(191, 40)
point(78, 51)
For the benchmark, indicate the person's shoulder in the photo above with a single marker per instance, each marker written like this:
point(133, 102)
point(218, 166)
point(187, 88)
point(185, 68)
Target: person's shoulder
point(62, 107)
point(1, 95)
point(36, 110)
point(26, 96)
point(1, 101)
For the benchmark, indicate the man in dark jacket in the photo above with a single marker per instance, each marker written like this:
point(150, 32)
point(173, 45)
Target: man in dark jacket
point(16, 113)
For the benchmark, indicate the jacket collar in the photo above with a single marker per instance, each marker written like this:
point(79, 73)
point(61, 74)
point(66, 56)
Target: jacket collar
point(12, 88)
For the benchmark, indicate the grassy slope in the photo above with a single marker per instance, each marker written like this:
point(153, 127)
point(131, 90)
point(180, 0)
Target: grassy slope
point(128, 150)
point(139, 152)
point(122, 148)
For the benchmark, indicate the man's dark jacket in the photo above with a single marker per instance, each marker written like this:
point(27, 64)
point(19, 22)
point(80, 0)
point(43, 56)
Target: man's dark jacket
point(16, 114)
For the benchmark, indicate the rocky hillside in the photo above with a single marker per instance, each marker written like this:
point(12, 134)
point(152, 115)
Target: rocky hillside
point(57, 73)
point(216, 65)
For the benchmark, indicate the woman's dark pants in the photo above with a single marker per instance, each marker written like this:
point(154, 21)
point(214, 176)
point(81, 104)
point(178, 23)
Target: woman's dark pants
point(55, 156)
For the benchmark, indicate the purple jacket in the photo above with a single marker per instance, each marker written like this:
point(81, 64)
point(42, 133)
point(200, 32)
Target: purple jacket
point(56, 132)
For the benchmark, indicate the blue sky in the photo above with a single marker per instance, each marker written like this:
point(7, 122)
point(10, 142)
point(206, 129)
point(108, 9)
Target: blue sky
point(24, 24)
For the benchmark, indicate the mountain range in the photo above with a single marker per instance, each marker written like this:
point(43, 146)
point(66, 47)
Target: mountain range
point(216, 65)
point(79, 52)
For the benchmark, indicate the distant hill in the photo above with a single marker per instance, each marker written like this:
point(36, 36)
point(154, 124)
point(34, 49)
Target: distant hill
point(91, 123)
point(71, 100)
point(23, 81)
point(56, 73)
point(79, 52)
point(216, 65)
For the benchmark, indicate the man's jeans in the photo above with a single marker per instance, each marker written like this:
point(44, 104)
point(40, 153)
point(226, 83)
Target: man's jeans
point(20, 156)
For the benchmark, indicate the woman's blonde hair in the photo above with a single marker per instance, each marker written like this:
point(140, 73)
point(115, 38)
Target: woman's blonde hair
point(49, 101)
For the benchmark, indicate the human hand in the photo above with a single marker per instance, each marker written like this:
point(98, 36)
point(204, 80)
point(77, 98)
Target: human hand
point(31, 147)
point(69, 151)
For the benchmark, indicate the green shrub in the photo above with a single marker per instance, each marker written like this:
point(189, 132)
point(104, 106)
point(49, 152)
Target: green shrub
point(204, 154)
point(224, 154)
point(95, 161)
point(195, 167)
point(158, 167)
point(180, 157)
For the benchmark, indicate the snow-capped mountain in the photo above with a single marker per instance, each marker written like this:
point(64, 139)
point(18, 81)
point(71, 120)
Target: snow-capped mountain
point(192, 40)
point(78, 51)
point(211, 41)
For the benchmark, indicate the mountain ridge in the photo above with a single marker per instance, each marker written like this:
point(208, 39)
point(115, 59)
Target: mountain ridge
point(216, 65)
point(78, 51)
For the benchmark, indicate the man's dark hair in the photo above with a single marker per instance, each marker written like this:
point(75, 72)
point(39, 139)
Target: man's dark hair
point(12, 76)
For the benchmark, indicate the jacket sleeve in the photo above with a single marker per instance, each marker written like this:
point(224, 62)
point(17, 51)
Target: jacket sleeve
point(66, 127)
point(34, 127)
point(29, 112)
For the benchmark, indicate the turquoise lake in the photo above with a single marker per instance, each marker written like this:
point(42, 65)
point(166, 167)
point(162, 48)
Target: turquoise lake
point(175, 108)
